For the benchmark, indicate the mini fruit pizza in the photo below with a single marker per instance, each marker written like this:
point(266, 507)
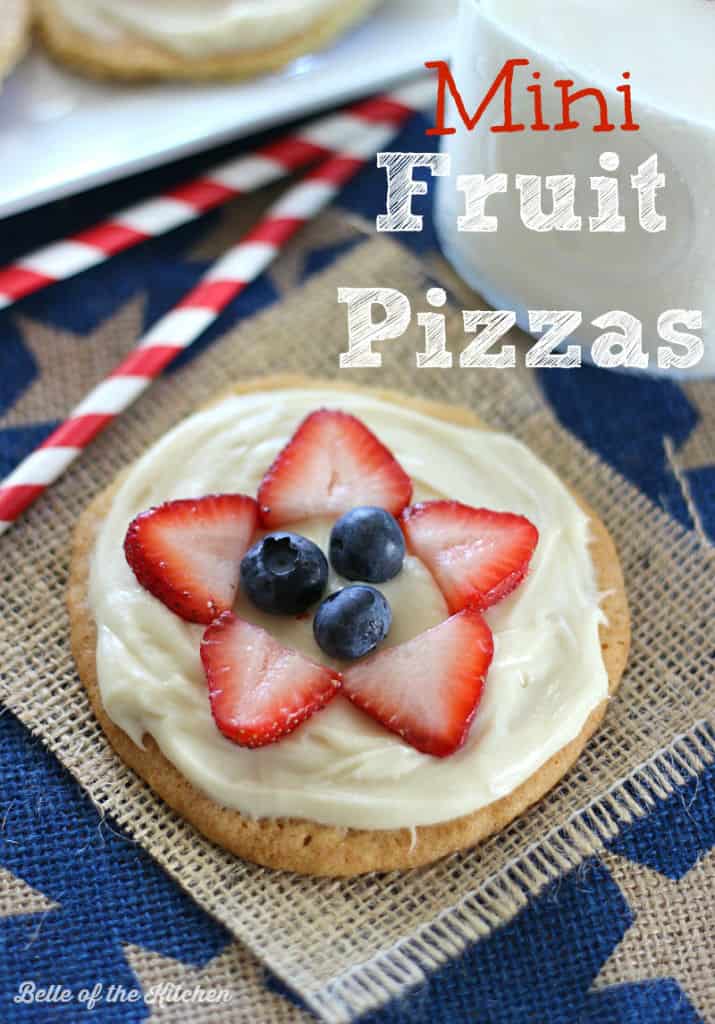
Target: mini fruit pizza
point(341, 631)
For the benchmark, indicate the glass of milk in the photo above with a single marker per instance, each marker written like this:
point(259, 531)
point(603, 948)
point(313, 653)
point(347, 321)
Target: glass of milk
point(667, 47)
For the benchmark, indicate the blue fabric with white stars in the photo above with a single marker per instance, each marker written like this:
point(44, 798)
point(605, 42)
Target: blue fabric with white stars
point(109, 892)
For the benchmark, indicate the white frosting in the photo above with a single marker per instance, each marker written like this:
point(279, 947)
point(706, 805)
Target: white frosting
point(340, 767)
point(667, 47)
point(196, 28)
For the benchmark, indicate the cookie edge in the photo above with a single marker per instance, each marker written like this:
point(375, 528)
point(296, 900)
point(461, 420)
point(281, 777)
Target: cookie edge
point(14, 36)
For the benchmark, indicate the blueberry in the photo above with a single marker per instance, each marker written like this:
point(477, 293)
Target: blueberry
point(284, 573)
point(367, 544)
point(352, 622)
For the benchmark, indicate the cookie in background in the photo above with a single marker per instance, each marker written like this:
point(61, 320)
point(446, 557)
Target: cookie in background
point(134, 39)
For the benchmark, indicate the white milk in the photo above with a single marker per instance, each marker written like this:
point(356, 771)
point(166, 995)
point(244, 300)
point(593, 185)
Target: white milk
point(668, 47)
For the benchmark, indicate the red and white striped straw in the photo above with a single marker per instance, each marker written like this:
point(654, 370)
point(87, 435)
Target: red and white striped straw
point(315, 141)
point(182, 325)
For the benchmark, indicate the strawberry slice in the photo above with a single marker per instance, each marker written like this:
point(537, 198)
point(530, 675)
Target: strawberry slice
point(258, 689)
point(428, 689)
point(331, 464)
point(476, 556)
point(187, 553)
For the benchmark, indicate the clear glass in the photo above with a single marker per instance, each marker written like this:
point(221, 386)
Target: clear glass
point(636, 271)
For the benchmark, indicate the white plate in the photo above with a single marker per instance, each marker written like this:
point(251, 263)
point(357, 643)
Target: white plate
point(60, 134)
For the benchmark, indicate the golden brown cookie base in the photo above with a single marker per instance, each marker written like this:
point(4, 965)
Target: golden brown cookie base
point(14, 33)
point(304, 846)
point(135, 59)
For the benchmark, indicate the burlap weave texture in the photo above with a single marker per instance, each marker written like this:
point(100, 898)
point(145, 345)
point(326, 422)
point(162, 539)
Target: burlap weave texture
point(347, 946)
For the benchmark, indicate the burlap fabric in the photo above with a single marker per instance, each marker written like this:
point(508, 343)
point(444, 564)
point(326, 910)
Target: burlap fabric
point(346, 946)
